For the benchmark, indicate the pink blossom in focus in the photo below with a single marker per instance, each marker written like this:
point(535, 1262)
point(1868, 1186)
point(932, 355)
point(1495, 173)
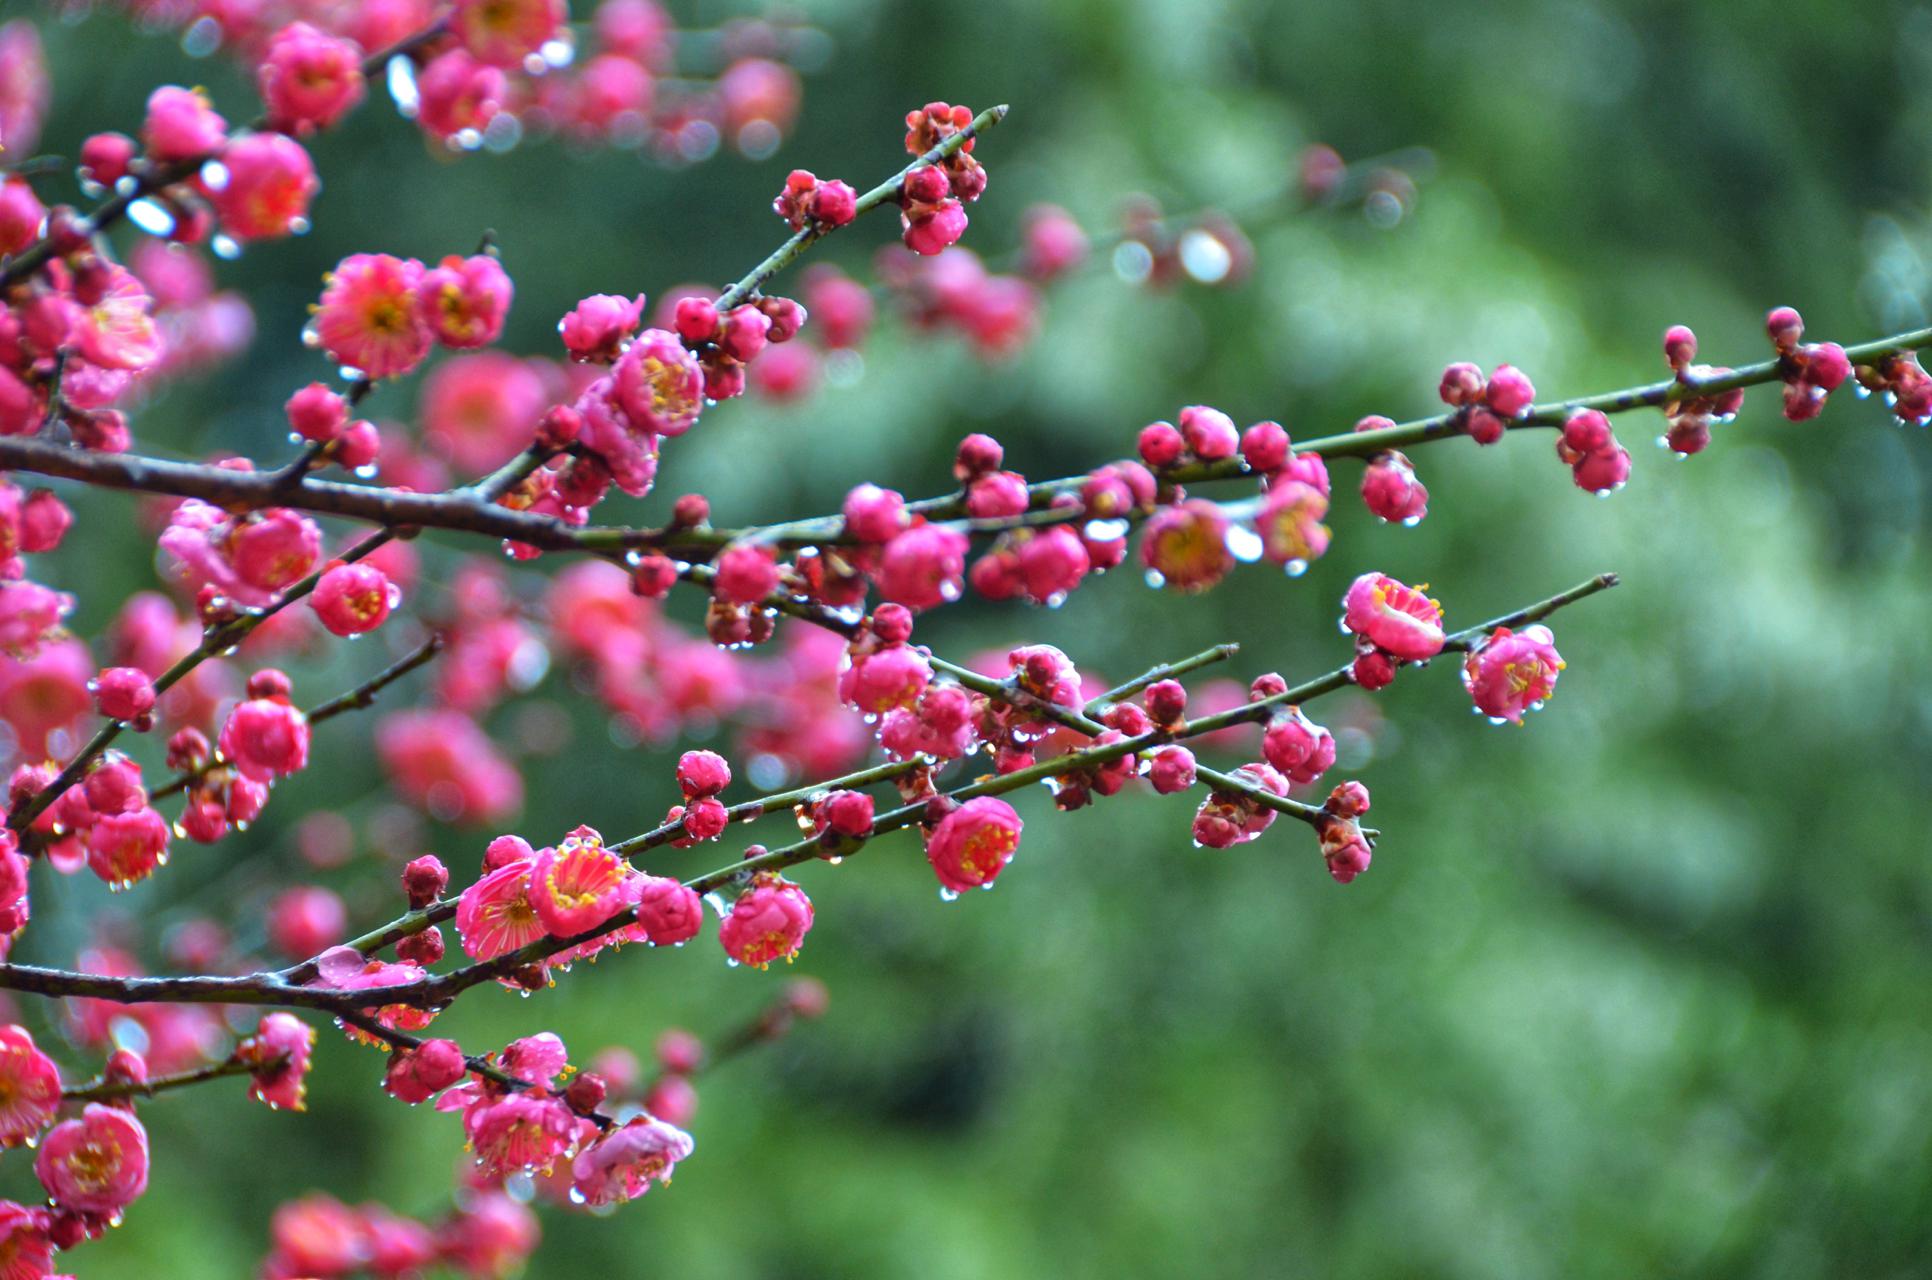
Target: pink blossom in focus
point(464, 300)
point(1398, 619)
point(29, 1088)
point(97, 1163)
point(768, 921)
point(622, 1164)
point(368, 316)
point(1512, 672)
point(576, 886)
point(972, 844)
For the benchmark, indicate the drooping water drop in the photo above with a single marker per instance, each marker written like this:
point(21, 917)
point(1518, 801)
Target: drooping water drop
point(1204, 257)
point(401, 78)
point(151, 216)
point(1243, 543)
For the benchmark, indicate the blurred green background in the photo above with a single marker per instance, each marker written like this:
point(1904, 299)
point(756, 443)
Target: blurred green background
point(1639, 989)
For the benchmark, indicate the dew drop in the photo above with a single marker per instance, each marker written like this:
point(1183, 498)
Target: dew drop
point(1295, 568)
point(1156, 579)
point(1243, 543)
point(948, 895)
point(1204, 257)
point(151, 216)
point(401, 77)
point(502, 133)
point(1106, 530)
point(202, 38)
point(1133, 261)
point(226, 247)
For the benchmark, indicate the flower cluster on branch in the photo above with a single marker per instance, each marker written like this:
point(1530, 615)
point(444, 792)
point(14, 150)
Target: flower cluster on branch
point(177, 726)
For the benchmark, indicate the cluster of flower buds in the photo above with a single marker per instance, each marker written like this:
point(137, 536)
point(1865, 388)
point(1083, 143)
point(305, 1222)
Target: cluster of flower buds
point(726, 342)
point(1389, 485)
point(75, 340)
point(105, 823)
point(1229, 816)
point(807, 199)
point(1045, 565)
point(30, 614)
point(533, 1114)
point(1346, 848)
point(1589, 448)
point(1691, 415)
point(932, 197)
point(1485, 407)
point(998, 313)
point(1811, 370)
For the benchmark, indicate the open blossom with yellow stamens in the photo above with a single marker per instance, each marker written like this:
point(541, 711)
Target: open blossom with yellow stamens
point(29, 1087)
point(367, 318)
point(116, 330)
point(1186, 544)
point(496, 915)
point(768, 922)
point(350, 599)
point(1400, 620)
point(622, 1165)
point(464, 300)
point(577, 885)
point(972, 844)
point(1290, 523)
point(1512, 672)
point(659, 384)
point(97, 1164)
